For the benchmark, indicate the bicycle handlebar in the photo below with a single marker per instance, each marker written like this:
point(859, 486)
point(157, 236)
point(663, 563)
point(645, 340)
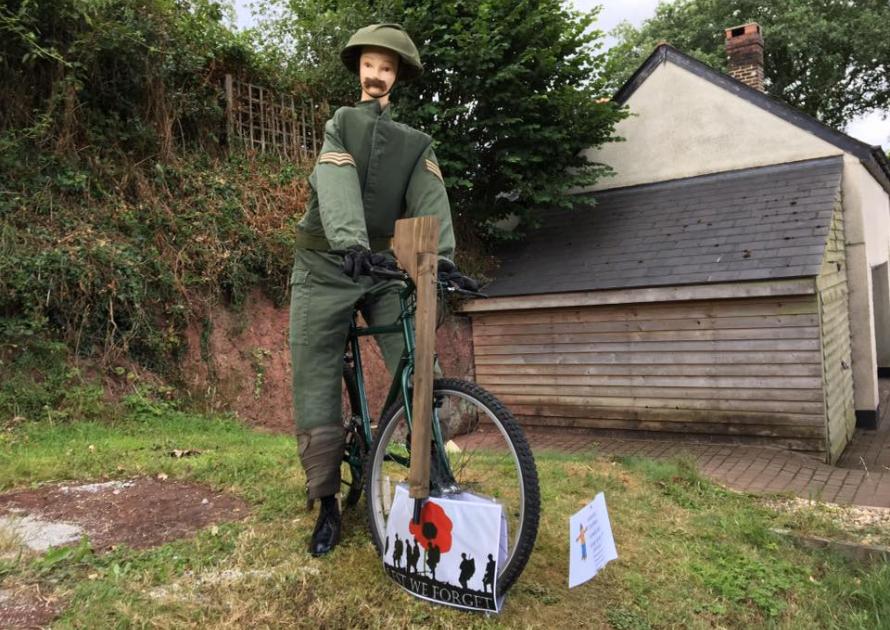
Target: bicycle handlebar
point(393, 272)
point(387, 273)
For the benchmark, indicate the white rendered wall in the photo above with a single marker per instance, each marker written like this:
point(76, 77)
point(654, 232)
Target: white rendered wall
point(880, 290)
point(683, 125)
point(867, 215)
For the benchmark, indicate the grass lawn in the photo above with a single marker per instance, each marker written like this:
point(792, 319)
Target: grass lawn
point(690, 553)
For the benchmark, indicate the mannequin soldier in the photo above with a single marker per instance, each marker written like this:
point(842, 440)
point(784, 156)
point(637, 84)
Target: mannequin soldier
point(371, 171)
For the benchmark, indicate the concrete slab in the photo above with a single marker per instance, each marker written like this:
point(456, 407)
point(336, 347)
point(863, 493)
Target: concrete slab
point(39, 534)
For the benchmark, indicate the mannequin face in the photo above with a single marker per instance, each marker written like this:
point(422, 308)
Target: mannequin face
point(377, 69)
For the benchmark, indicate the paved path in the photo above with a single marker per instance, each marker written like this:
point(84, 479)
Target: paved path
point(741, 467)
point(862, 476)
point(871, 449)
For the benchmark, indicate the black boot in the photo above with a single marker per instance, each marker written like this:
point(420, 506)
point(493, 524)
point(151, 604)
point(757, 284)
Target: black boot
point(326, 534)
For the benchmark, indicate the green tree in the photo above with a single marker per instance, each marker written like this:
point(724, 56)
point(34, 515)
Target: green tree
point(511, 91)
point(829, 58)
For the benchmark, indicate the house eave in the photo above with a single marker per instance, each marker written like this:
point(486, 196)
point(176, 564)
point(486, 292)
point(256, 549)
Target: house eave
point(712, 291)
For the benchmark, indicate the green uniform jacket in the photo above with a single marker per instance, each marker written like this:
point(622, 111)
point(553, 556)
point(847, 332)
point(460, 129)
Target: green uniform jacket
point(372, 171)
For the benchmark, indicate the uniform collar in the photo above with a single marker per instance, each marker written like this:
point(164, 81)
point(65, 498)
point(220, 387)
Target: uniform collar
point(373, 105)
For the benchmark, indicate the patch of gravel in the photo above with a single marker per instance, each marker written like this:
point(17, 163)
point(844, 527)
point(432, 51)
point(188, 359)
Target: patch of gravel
point(114, 486)
point(870, 524)
point(27, 608)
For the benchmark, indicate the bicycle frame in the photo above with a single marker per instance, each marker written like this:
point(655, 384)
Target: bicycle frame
point(401, 382)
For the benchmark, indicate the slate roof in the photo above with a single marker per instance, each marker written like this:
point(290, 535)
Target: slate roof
point(752, 224)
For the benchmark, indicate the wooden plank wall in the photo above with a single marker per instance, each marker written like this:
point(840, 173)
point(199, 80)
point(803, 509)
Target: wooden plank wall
point(836, 346)
point(746, 367)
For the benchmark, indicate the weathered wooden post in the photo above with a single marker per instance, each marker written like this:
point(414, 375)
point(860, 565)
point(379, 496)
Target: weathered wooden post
point(312, 123)
point(230, 112)
point(416, 246)
point(262, 113)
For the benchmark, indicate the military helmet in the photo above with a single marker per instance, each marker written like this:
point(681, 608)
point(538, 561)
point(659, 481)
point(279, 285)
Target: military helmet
point(390, 36)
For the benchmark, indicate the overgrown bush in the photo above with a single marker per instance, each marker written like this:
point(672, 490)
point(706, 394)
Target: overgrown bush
point(38, 382)
point(121, 214)
point(121, 78)
point(114, 277)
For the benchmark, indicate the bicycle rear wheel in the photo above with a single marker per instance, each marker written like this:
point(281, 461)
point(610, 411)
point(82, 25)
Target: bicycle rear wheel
point(487, 455)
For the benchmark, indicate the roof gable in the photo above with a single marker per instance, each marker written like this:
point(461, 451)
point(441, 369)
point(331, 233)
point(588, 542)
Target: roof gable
point(872, 157)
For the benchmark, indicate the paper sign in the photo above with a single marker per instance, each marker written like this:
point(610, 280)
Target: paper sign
point(452, 556)
point(591, 544)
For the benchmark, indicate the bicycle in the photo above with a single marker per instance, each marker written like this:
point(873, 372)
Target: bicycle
point(477, 444)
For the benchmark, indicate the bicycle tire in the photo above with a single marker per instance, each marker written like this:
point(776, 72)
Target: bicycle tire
point(494, 425)
point(355, 453)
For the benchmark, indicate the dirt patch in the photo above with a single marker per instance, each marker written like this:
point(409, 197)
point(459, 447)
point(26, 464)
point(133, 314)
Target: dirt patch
point(139, 513)
point(240, 362)
point(27, 608)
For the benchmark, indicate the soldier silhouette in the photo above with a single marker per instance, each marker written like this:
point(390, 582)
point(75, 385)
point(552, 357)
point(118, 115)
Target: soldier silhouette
point(413, 554)
point(432, 558)
point(467, 569)
point(488, 578)
point(397, 553)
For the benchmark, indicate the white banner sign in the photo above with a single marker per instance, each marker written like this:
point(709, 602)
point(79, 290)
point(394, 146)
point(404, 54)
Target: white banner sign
point(452, 556)
point(591, 544)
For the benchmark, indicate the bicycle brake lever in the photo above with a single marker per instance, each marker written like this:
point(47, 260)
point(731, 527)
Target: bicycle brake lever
point(463, 292)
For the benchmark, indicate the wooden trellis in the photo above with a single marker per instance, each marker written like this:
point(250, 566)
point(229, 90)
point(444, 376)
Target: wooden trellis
point(263, 120)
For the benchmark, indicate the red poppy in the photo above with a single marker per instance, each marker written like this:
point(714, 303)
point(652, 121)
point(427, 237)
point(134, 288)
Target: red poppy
point(434, 527)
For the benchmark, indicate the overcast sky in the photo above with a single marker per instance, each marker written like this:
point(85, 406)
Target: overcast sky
point(871, 129)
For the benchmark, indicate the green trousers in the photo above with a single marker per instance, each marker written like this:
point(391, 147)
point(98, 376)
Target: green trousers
point(321, 307)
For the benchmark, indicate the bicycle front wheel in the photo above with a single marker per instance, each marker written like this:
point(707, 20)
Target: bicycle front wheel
point(486, 453)
point(353, 464)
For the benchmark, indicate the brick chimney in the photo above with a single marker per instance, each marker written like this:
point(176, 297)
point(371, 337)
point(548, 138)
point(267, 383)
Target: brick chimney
point(744, 48)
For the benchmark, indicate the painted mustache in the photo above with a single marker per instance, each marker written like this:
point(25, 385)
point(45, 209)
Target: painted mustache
point(369, 84)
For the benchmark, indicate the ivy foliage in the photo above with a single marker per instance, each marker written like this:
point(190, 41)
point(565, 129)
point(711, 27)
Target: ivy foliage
point(829, 58)
point(512, 93)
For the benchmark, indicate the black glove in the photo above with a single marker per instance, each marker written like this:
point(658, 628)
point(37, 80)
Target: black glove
point(449, 274)
point(356, 261)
